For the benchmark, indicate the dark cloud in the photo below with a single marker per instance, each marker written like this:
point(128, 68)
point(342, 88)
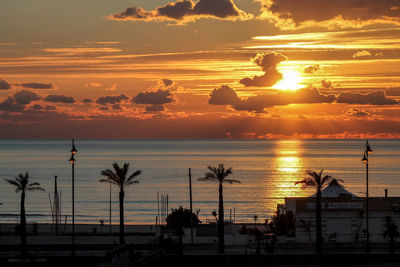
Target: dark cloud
point(37, 107)
point(112, 100)
point(289, 14)
point(312, 68)
point(4, 85)
point(87, 100)
point(267, 62)
point(116, 107)
point(183, 11)
point(11, 105)
point(48, 107)
point(155, 108)
point(154, 97)
point(303, 96)
point(167, 82)
point(373, 98)
point(25, 97)
point(228, 96)
point(224, 96)
point(393, 92)
point(35, 85)
point(326, 84)
point(60, 99)
point(358, 113)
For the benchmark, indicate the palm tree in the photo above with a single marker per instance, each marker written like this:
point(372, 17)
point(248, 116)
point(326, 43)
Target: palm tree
point(318, 182)
point(118, 176)
point(219, 175)
point(21, 183)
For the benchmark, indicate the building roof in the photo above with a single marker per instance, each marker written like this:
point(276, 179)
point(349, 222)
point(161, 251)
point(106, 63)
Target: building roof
point(334, 190)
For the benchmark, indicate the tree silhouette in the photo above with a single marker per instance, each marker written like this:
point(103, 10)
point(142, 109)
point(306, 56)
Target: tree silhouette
point(119, 177)
point(21, 183)
point(219, 175)
point(318, 182)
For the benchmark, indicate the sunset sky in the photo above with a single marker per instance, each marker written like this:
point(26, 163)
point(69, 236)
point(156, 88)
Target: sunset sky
point(200, 69)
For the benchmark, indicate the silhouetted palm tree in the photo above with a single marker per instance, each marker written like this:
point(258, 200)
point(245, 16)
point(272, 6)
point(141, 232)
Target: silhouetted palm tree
point(119, 177)
point(21, 183)
point(317, 181)
point(219, 175)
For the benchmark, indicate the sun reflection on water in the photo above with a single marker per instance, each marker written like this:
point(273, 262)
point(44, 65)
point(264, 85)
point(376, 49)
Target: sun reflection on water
point(289, 168)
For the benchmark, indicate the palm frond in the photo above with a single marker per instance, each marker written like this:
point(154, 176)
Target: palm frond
point(207, 179)
point(133, 176)
point(34, 187)
point(326, 179)
point(131, 182)
point(337, 182)
point(232, 181)
point(13, 182)
point(111, 175)
point(307, 182)
point(227, 172)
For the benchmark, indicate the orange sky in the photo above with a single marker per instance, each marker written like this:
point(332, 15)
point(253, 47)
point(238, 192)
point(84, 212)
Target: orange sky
point(200, 69)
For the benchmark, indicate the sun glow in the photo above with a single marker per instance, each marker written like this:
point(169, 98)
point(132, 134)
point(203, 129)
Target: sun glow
point(291, 81)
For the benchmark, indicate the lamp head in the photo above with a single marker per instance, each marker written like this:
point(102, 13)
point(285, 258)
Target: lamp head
point(364, 159)
point(368, 148)
point(72, 159)
point(73, 150)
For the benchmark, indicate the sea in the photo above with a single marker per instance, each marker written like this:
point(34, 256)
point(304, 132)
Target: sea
point(267, 170)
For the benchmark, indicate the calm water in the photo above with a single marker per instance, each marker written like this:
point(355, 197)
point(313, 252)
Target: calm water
point(267, 170)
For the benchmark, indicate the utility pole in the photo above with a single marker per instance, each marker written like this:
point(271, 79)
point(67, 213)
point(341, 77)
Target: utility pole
point(191, 208)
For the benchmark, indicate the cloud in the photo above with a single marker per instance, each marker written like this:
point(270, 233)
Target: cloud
point(184, 11)
point(37, 107)
point(227, 96)
point(116, 107)
point(25, 97)
point(363, 53)
point(294, 14)
point(311, 69)
point(4, 85)
point(87, 100)
point(224, 95)
point(373, 98)
point(326, 84)
point(10, 104)
point(155, 108)
point(60, 99)
point(18, 101)
point(154, 97)
point(267, 62)
point(112, 100)
point(35, 85)
point(393, 91)
point(113, 87)
point(94, 84)
point(358, 113)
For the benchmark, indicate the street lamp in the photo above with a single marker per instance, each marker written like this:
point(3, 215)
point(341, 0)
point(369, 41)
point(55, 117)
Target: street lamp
point(367, 152)
point(72, 161)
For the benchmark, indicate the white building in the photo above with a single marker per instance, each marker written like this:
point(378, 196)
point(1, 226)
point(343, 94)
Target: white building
point(343, 216)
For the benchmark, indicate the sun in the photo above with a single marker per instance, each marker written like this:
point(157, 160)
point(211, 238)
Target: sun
point(291, 80)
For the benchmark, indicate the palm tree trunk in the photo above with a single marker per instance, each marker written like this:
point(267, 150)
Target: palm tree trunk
point(319, 222)
point(121, 217)
point(221, 235)
point(23, 226)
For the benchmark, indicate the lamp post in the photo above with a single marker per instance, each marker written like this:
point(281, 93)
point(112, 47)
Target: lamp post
point(72, 161)
point(367, 151)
